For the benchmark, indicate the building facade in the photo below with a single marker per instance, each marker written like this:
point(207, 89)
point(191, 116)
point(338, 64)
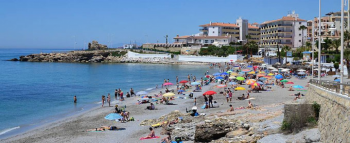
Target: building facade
point(237, 30)
point(330, 26)
point(284, 31)
point(205, 40)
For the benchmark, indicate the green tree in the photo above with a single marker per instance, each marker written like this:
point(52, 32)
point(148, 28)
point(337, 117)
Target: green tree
point(247, 37)
point(308, 45)
point(327, 43)
point(347, 38)
point(302, 28)
point(335, 44)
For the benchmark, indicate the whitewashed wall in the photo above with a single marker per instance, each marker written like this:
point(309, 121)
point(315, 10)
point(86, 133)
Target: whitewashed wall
point(138, 55)
point(191, 58)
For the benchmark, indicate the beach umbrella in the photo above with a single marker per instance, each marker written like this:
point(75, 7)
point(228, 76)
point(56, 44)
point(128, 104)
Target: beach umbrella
point(232, 77)
point(181, 90)
point(268, 77)
point(252, 72)
point(246, 70)
point(169, 94)
point(290, 82)
point(216, 74)
point(263, 78)
point(240, 78)
point(232, 83)
point(207, 76)
point(229, 71)
point(336, 76)
point(337, 80)
point(260, 75)
point(224, 73)
point(270, 74)
point(249, 66)
point(250, 81)
point(168, 83)
point(219, 77)
point(195, 83)
point(221, 86)
point(234, 74)
point(284, 80)
point(142, 93)
point(271, 68)
point(255, 84)
point(183, 81)
point(261, 72)
point(241, 73)
point(285, 70)
point(301, 70)
point(301, 73)
point(278, 76)
point(240, 88)
point(260, 82)
point(210, 92)
point(274, 70)
point(298, 86)
point(113, 116)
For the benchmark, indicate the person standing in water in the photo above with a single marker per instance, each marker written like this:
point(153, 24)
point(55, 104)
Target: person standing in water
point(109, 100)
point(75, 99)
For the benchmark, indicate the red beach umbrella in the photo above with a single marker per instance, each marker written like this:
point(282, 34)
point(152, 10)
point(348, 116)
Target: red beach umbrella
point(290, 82)
point(210, 92)
point(207, 76)
point(183, 81)
point(168, 83)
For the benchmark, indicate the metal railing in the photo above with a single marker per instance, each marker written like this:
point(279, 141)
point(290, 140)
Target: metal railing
point(332, 86)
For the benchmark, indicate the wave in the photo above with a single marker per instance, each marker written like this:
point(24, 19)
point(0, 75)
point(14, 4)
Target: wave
point(8, 130)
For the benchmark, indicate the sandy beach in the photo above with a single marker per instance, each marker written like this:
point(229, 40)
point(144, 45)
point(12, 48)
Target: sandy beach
point(269, 116)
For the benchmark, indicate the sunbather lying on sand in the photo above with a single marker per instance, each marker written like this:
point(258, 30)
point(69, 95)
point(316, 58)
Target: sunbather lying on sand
point(151, 134)
point(167, 139)
point(103, 128)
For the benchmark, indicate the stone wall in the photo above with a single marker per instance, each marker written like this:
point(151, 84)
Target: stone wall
point(334, 117)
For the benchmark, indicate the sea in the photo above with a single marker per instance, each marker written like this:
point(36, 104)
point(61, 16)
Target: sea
point(37, 93)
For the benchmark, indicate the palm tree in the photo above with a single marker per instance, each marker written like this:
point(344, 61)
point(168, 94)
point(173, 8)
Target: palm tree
point(308, 45)
point(302, 28)
point(335, 44)
point(247, 37)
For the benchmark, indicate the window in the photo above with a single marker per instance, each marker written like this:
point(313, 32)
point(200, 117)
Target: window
point(299, 22)
point(200, 40)
point(206, 41)
point(299, 34)
point(299, 40)
point(211, 41)
point(213, 31)
point(224, 40)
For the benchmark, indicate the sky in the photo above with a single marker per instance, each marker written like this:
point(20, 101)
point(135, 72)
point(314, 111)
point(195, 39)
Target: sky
point(68, 24)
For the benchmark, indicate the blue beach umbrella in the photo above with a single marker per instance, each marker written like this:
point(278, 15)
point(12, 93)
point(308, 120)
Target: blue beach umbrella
point(180, 91)
point(260, 82)
point(337, 80)
point(113, 116)
point(249, 66)
point(142, 93)
point(278, 76)
point(298, 86)
point(219, 77)
point(232, 83)
point(195, 83)
point(262, 78)
point(224, 73)
point(216, 74)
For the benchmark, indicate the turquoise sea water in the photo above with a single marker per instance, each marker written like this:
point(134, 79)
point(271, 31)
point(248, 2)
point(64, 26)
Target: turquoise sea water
point(34, 93)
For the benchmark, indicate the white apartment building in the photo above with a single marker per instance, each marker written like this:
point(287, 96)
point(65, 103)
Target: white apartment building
point(205, 40)
point(284, 31)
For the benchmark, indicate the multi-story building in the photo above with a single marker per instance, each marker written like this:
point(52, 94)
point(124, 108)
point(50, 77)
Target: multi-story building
point(330, 26)
point(284, 31)
point(238, 30)
point(205, 40)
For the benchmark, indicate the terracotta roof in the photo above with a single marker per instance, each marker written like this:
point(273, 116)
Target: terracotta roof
point(182, 37)
point(252, 27)
point(255, 23)
point(284, 18)
point(219, 24)
point(203, 37)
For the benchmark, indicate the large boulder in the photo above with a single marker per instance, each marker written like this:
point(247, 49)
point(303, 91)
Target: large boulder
point(212, 130)
point(94, 45)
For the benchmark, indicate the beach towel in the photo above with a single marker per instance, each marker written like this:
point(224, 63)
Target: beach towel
point(144, 138)
point(175, 142)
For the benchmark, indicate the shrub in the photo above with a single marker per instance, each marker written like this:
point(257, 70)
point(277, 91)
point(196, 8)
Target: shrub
point(312, 121)
point(336, 65)
point(286, 126)
point(317, 108)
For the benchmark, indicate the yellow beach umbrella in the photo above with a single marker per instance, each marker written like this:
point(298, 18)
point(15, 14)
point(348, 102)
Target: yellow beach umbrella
point(250, 81)
point(232, 77)
point(252, 72)
point(168, 94)
point(234, 74)
point(261, 72)
point(240, 88)
point(270, 74)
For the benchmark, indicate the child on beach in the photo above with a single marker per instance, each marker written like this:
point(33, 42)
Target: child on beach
point(231, 109)
point(103, 100)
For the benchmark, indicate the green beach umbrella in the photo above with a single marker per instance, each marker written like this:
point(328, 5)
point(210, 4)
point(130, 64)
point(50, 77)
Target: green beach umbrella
point(284, 80)
point(205, 78)
point(240, 78)
point(229, 71)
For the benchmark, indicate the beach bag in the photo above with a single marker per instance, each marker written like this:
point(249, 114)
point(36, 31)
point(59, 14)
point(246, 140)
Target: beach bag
point(132, 119)
point(178, 139)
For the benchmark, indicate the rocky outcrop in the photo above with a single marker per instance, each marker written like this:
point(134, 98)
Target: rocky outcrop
point(94, 45)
